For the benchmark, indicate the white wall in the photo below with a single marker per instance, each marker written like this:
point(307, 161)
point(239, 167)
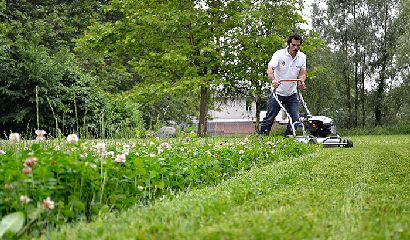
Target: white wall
point(235, 110)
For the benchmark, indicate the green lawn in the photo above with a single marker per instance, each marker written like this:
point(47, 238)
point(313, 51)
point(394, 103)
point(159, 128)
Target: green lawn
point(336, 193)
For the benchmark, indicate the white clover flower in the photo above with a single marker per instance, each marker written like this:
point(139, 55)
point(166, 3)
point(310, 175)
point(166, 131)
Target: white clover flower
point(2, 152)
point(140, 187)
point(24, 199)
point(14, 137)
point(241, 152)
point(27, 170)
point(126, 149)
point(100, 148)
point(40, 135)
point(30, 162)
point(72, 139)
point(152, 155)
point(120, 158)
point(152, 143)
point(165, 145)
point(57, 148)
point(48, 203)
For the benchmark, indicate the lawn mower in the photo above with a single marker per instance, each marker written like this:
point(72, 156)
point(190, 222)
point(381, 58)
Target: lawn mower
point(314, 129)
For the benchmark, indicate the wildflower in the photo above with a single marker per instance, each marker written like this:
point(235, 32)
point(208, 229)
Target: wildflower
point(152, 155)
point(72, 139)
point(48, 203)
point(30, 162)
point(126, 149)
point(140, 187)
point(100, 148)
point(40, 135)
point(2, 152)
point(14, 138)
point(24, 199)
point(8, 186)
point(165, 145)
point(269, 143)
point(27, 170)
point(57, 148)
point(120, 158)
point(152, 143)
point(241, 152)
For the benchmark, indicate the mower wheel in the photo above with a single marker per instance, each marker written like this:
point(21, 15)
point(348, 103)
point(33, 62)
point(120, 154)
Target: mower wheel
point(349, 143)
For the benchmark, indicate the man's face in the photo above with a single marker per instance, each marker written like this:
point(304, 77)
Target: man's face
point(294, 47)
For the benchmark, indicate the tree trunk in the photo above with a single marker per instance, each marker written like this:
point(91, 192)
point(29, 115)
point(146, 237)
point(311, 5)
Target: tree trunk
point(356, 69)
point(203, 111)
point(258, 112)
point(382, 80)
point(362, 97)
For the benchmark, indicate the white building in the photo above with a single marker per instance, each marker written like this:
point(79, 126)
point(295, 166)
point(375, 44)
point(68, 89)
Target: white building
point(237, 117)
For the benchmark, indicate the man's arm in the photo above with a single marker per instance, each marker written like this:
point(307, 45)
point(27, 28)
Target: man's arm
point(271, 76)
point(302, 77)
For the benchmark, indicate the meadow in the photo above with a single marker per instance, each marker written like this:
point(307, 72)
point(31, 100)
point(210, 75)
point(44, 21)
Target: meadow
point(46, 184)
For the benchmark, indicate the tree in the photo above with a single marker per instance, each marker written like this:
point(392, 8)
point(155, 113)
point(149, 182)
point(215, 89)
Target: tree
point(363, 38)
point(41, 83)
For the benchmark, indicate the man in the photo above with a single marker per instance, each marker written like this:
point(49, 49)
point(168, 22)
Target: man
point(287, 63)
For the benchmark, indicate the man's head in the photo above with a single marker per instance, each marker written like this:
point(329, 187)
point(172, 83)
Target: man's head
point(294, 42)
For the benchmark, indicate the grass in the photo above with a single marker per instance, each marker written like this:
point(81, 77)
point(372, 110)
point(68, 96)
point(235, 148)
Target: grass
point(358, 193)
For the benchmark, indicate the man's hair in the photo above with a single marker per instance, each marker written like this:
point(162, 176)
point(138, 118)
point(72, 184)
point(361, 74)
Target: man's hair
point(296, 37)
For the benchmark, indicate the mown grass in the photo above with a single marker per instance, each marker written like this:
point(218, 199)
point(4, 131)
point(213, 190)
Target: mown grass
point(358, 193)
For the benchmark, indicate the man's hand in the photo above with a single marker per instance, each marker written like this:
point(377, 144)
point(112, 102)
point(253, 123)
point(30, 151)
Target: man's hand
point(302, 85)
point(275, 83)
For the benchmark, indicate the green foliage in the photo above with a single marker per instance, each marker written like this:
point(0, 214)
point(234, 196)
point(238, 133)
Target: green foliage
point(13, 222)
point(35, 56)
point(88, 179)
point(123, 119)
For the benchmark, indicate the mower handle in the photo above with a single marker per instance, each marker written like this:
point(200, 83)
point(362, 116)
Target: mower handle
point(290, 80)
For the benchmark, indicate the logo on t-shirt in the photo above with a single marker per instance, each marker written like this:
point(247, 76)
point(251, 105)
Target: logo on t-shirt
point(283, 63)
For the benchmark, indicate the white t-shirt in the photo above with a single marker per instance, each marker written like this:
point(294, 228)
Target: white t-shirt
point(286, 67)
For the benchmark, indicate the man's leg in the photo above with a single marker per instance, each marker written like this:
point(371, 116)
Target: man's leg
point(292, 106)
point(273, 110)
